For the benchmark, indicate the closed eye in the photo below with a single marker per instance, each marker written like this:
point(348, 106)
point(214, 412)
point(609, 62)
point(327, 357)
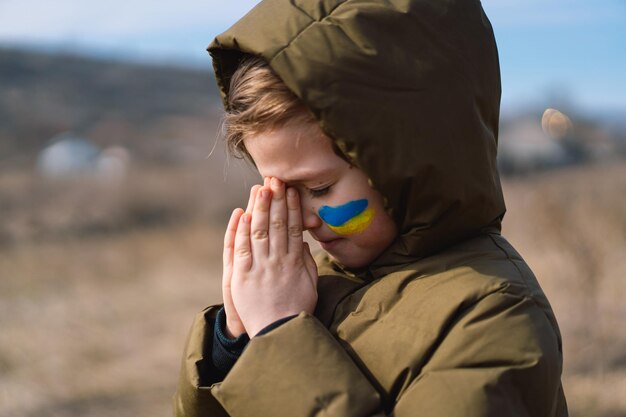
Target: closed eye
point(319, 191)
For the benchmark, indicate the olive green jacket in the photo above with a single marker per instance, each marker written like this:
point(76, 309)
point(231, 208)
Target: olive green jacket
point(447, 321)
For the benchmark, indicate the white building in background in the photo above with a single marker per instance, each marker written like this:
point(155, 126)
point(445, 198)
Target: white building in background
point(533, 143)
point(70, 156)
point(523, 146)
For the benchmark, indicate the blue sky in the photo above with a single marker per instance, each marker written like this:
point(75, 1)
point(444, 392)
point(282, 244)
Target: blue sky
point(548, 48)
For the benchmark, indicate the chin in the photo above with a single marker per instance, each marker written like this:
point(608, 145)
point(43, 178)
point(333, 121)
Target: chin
point(349, 261)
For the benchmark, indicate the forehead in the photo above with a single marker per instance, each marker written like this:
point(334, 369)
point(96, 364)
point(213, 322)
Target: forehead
point(294, 152)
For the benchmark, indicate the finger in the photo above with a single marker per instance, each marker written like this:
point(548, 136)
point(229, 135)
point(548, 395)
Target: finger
point(229, 239)
point(260, 223)
point(253, 192)
point(294, 222)
point(310, 264)
point(266, 181)
point(229, 243)
point(278, 218)
point(242, 256)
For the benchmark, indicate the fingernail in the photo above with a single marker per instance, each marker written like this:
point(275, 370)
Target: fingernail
point(275, 182)
point(291, 192)
point(245, 218)
point(265, 194)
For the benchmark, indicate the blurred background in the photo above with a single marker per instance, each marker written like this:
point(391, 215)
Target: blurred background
point(115, 190)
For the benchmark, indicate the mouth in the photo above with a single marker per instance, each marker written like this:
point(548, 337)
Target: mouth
point(330, 244)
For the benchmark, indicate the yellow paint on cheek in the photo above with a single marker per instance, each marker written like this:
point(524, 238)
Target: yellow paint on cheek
point(356, 224)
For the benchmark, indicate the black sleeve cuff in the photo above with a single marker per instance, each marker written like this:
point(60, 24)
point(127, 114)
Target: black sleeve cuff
point(226, 351)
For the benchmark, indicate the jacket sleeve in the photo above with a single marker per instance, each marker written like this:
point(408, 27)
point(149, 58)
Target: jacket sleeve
point(297, 369)
point(193, 397)
point(199, 368)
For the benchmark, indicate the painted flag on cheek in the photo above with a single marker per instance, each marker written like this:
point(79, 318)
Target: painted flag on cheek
point(347, 219)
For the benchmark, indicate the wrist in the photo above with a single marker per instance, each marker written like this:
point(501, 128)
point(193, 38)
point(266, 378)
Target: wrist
point(275, 324)
point(262, 327)
point(231, 331)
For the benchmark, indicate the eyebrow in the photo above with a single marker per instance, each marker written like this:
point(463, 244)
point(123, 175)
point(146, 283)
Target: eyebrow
point(307, 176)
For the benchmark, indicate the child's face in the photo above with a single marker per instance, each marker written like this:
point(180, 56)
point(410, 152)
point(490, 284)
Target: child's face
point(339, 208)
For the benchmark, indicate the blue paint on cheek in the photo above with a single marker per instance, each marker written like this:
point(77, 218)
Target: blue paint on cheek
point(336, 216)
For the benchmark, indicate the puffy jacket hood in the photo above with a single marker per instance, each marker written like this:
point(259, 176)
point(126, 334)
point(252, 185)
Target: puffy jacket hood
point(409, 89)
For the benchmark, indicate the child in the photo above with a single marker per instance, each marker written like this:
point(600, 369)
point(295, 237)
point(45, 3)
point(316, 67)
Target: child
point(374, 125)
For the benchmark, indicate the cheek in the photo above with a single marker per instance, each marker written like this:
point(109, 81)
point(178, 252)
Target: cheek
point(348, 219)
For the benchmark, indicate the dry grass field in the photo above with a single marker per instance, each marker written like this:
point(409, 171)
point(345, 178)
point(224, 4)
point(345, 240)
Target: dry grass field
point(570, 226)
point(99, 283)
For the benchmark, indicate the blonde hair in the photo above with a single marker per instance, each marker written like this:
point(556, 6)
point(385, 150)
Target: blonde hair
point(258, 101)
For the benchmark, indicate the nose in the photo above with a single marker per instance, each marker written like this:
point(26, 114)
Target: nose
point(310, 219)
